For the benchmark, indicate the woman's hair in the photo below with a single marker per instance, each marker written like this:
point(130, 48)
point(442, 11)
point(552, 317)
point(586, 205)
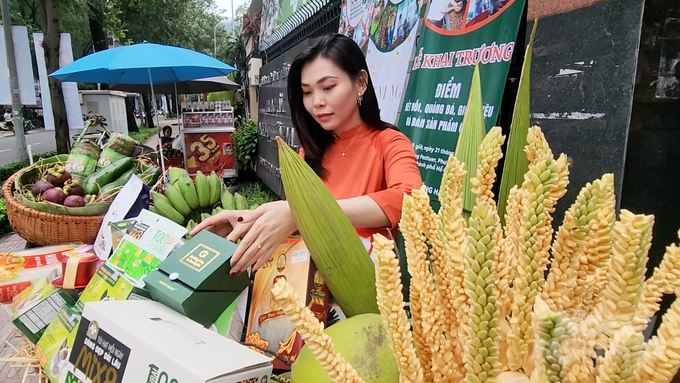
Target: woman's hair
point(347, 55)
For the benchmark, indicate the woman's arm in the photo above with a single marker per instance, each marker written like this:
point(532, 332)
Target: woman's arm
point(364, 212)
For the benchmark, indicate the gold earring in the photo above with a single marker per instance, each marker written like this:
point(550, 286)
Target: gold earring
point(359, 99)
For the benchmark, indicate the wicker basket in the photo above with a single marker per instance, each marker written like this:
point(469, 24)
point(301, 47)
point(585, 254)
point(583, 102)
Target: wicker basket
point(45, 229)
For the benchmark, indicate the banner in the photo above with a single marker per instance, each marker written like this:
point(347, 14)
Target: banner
point(456, 35)
point(386, 31)
point(281, 17)
point(70, 89)
point(22, 57)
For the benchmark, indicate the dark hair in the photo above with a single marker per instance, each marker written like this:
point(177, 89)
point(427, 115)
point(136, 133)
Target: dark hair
point(167, 127)
point(347, 55)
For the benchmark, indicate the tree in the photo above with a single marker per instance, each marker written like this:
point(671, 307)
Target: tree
point(49, 17)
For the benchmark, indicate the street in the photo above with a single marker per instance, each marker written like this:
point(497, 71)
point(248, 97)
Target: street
point(40, 141)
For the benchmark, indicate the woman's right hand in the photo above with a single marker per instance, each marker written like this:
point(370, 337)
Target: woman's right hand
point(232, 224)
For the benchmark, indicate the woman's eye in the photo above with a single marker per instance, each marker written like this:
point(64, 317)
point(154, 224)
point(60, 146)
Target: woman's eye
point(306, 93)
point(328, 88)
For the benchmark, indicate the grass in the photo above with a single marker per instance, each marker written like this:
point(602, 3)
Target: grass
point(256, 193)
point(143, 134)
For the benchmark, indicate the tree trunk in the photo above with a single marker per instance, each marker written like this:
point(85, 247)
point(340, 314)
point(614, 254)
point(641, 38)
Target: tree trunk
point(97, 31)
point(50, 26)
point(130, 113)
point(147, 109)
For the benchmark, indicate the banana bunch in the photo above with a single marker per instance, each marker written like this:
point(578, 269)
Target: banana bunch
point(189, 203)
point(184, 199)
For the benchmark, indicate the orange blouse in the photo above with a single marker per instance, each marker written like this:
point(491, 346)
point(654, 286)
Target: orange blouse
point(380, 164)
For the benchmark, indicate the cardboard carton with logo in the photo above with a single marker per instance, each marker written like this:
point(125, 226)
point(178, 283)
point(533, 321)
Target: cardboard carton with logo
point(147, 342)
point(268, 327)
point(35, 307)
point(54, 347)
point(195, 280)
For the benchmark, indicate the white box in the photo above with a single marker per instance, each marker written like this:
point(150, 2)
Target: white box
point(146, 342)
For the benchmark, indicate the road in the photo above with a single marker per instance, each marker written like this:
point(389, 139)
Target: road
point(40, 141)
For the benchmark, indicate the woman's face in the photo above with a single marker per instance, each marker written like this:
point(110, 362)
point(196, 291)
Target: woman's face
point(330, 95)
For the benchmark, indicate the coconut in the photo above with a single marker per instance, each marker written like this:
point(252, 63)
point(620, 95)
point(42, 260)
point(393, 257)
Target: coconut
point(363, 342)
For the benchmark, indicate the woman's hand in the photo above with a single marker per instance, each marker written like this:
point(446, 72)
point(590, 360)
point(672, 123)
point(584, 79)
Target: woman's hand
point(265, 228)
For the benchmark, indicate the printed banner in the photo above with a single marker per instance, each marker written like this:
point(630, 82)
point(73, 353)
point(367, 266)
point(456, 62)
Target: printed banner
point(22, 57)
point(386, 31)
point(70, 89)
point(456, 35)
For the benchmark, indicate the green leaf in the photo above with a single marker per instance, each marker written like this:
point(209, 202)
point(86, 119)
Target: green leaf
point(473, 130)
point(516, 162)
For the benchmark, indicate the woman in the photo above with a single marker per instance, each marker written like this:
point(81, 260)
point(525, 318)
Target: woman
point(367, 164)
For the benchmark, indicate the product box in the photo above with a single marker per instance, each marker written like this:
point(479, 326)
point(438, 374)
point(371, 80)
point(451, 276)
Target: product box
point(110, 284)
point(18, 269)
point(54, 347)
point(232, 322)
point(119, 229)
point(268, 326)
point(35, 307)
point(145, 245)
point(146, 342)
point(195, 280)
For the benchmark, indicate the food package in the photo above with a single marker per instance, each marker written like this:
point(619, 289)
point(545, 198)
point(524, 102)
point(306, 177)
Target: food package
point(268, 327)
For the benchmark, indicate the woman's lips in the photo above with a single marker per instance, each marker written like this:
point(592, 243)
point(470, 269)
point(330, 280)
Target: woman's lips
point(324, 117)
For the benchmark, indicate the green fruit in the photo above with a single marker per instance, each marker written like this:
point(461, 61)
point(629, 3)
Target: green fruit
point(105, 176)
point(240, 202)
point(227, 200)
point(202, 189)
point(176, 199)
point(164, 208)
point(215, 188)
point(363, 342)
point(186, 186)
point(176, 173)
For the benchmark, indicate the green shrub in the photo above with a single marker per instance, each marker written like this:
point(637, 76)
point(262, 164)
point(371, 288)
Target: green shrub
point(245, 146)
point(4, 221)
point(143, 134)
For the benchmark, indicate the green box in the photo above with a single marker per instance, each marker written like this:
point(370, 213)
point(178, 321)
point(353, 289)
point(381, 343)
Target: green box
point(110, 284)
point(35, 307)
point(195, 281)
point(54, 347)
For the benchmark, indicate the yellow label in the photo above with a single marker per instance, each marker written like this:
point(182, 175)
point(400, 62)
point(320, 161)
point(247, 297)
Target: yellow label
point(199, 257)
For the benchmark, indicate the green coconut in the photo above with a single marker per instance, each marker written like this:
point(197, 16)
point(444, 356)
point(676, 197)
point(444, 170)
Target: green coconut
point(363, 342)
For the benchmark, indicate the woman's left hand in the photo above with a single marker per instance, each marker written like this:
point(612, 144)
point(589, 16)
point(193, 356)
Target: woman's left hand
point(273, 225)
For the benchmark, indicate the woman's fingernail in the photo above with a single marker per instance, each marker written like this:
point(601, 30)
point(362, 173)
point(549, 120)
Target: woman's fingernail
point(239, 219)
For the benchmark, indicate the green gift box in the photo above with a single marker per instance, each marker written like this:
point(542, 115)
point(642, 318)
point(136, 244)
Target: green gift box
point(195, 280)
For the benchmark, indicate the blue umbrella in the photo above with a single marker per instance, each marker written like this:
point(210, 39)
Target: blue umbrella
point(143, 63)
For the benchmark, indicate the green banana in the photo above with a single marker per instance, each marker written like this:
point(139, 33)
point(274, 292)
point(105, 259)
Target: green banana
point(205, 216)
point(153, 209)
point(202, 189)
point(186, 186)
point(215, 188)
point(227, 200)
point(217, 210)
point(240, 202)
point(176, 199)
point(176, 173)
point(190, 226)
point(164, 208)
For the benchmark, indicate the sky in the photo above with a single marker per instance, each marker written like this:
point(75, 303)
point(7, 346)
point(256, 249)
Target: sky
point(226, 5)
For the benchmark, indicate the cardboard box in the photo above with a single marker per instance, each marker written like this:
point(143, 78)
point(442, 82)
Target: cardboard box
point(110, 284)
point(35, 307)
point(232, 322)
point(54, 347)
point(144, 341)
point(195, 281)
point(268, 326)
point(145, 245)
